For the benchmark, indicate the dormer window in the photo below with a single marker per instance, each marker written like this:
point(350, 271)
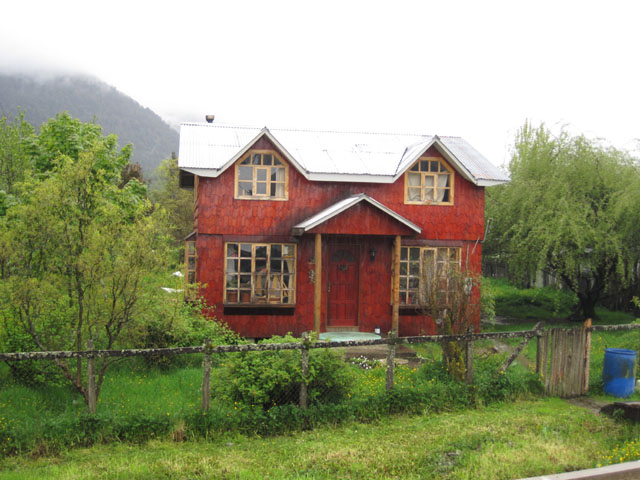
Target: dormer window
point(429, 182)
point(262, 175)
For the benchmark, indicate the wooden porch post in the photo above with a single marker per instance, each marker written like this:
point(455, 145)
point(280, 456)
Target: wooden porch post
point(391, 353)
point(396, 286)
point(317, 299)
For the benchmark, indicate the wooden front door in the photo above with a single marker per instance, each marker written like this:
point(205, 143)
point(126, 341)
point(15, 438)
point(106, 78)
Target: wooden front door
point(343, 286)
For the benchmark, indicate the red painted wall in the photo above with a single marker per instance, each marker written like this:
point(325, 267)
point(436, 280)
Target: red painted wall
point(220, 218)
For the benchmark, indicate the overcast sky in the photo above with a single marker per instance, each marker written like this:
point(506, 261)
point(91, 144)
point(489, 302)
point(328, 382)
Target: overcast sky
point(477, 69)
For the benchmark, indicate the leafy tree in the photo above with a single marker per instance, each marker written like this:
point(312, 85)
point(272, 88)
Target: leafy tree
point(80, 249)
point(176, 201)
point(568, 210)
point(17, 145)
point(450, 295)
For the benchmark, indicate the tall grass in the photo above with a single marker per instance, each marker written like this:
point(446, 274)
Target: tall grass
point(523, 439)
point(139, 403)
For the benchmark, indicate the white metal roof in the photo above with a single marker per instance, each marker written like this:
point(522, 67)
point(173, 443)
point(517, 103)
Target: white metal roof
point(209, 149)
point(343, 205)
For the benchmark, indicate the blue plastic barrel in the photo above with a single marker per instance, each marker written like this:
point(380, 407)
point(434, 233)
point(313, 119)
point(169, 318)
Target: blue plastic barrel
point(618, 372)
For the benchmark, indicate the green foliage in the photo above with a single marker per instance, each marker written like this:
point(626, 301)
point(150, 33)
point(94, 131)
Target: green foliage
point(487, 300)
point(139, 403)
point(273, 378)
point(523, 439)
point(169, 321)
point(78, 248)
point(544, 303)
point(567, 210)
point(17, 139)
point(492, 385)
point(178, 202)
point(450, 297)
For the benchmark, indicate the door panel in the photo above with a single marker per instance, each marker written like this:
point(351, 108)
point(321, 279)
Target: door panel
point(343, 286)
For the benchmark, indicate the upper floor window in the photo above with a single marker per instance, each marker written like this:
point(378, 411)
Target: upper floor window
point(429, 181)
point(262, 175)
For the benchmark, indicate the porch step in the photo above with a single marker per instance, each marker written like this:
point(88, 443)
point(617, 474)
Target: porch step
point(342, 329)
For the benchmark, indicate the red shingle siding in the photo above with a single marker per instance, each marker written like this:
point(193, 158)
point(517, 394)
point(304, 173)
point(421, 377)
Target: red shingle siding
point(221, 218)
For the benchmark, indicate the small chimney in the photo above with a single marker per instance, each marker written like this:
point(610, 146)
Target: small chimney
point(209, 118)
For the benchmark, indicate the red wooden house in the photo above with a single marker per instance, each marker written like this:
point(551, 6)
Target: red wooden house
point(296, 230)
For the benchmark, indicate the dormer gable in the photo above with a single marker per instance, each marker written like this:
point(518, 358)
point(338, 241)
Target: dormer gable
point(429, 181)
point(261, 174)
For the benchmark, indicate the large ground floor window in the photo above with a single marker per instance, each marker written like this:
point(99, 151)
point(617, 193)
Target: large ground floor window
point(421, 265)
point(260, 273)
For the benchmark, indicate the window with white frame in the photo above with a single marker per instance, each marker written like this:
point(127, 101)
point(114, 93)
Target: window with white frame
point(424, 264)
point(260, 273)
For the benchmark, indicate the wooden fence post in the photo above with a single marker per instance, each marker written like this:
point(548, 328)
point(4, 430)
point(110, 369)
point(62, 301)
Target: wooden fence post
point(391, 359)
point(468, 378)
point(92, 400)
point(206, 375)
point(304, 364)
point(587, 355)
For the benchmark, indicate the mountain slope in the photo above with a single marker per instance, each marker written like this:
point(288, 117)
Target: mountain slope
point(90, 99)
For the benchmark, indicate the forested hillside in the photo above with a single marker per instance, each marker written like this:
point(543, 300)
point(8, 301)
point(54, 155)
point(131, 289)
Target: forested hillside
point(88, 99)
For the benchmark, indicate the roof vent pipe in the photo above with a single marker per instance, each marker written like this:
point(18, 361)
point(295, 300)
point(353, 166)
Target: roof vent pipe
point(209, 118)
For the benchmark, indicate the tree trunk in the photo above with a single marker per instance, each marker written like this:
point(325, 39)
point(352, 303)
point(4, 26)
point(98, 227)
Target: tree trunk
point(586, 308)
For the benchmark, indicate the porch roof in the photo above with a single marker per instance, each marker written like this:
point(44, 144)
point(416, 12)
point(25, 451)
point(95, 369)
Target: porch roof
point(345, 204)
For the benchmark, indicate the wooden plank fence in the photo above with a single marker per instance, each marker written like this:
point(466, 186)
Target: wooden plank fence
point(567, 369)
point(562, 355)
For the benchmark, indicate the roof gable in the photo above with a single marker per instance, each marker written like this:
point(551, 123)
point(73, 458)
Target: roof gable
point(208, 150)
point(385, 224)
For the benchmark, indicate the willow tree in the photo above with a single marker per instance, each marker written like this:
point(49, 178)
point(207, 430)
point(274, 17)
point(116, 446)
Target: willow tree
point(567, 211)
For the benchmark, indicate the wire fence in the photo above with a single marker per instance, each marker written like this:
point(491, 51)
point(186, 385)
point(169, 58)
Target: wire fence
point(300, 373)
point(308, 385)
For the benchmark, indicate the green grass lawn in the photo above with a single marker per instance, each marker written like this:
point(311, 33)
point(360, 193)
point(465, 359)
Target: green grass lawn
point(141, 409)
point(504, 441)
point(548, 304)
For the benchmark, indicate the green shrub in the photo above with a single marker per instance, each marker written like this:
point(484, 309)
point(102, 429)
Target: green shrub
point(272, 378)
point(31, 373)
point(495, 386)
point(173, 322)
point(488, 299)
point(489, 385)
point(536, 303)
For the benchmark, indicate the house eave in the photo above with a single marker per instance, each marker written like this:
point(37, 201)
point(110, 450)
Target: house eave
point(444, 151)
point(491, 183)
point(343, 205)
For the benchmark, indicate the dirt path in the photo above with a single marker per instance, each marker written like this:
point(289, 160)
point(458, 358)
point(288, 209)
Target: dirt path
point(588, 403)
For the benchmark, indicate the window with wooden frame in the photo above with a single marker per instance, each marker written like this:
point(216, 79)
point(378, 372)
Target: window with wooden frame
point(424, 264)
point(429, 182)
point(190, 266)
point(260, 274)
point(262, 175)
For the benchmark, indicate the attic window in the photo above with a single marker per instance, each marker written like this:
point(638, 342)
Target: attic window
point(429, 182)
point(262, 175)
